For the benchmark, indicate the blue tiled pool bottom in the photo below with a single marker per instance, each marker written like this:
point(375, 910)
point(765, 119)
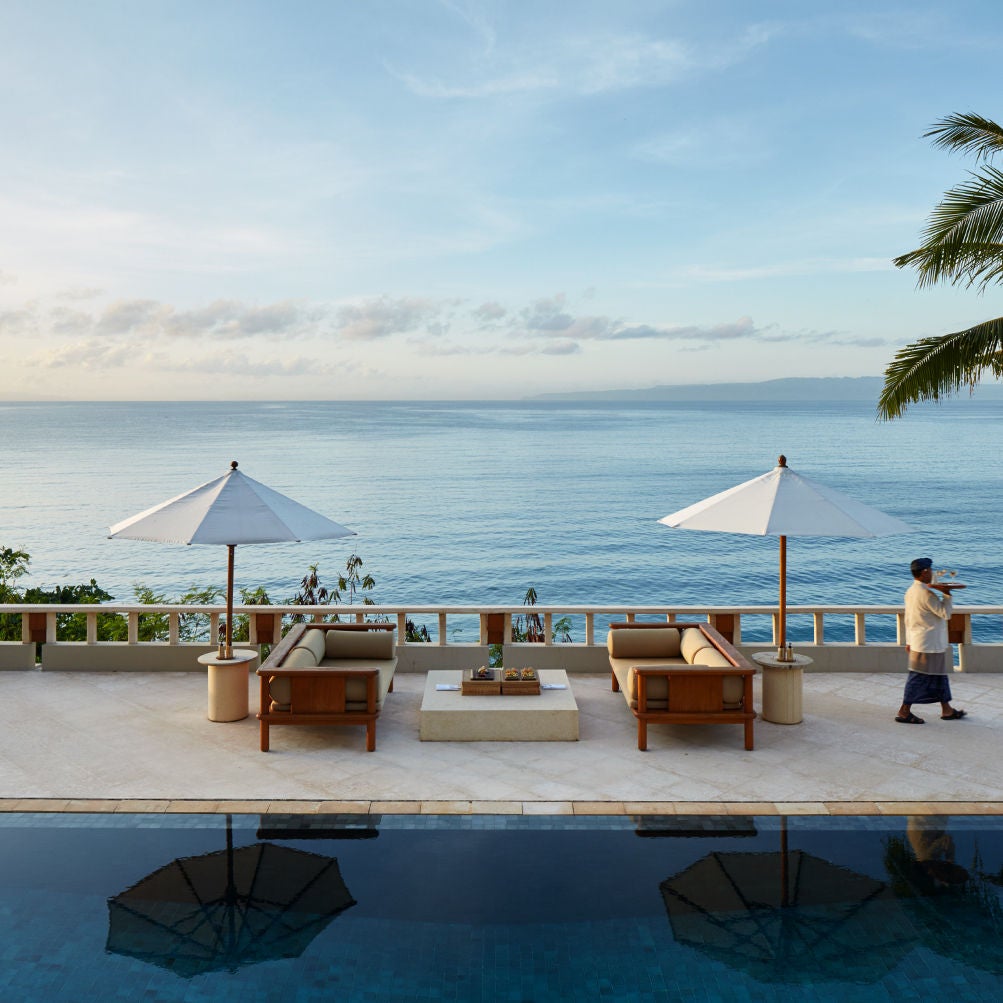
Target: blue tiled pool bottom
point(310, 908)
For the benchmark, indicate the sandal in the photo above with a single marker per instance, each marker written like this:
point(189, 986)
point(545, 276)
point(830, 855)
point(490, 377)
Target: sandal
point(955, 715)
point(911, 718)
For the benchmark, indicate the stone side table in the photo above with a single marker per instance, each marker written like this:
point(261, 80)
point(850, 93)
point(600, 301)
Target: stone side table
point(228, 684)
point(783, 686)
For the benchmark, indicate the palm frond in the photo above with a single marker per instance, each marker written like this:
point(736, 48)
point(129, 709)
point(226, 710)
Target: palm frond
point(968, 133)
point(937, 367)
point(963, 240)
point(974, 265)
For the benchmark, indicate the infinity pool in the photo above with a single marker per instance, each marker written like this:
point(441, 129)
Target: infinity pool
point(304, 908)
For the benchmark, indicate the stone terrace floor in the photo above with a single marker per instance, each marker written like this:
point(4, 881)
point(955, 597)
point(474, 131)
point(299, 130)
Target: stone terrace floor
point(141, 742)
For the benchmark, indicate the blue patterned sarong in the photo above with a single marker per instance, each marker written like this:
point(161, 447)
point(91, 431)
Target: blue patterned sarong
point(921, 687)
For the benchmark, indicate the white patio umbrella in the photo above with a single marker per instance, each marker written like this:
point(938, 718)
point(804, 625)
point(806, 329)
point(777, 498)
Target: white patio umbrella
point(782, 503)
point(231, 510)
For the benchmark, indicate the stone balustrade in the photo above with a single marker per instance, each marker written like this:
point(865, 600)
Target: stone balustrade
point(837, 638)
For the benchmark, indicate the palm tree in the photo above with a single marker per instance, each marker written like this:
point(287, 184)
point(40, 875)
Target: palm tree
point(962, 245)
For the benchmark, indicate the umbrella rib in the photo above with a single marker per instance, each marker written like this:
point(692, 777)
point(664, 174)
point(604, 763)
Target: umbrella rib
point(278, 917)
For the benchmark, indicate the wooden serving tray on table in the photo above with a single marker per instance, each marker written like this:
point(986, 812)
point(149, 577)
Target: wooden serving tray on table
point(474, 683)
point(521, 687)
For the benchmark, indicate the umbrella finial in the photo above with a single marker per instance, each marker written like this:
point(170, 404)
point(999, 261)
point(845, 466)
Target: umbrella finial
point(233, 464)
point(781, 461)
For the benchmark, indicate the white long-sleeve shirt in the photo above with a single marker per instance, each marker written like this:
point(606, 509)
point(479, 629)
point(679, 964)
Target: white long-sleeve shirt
point(926, 614)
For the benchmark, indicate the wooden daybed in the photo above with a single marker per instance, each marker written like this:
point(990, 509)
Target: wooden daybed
point(328, 673)
point(680, 673)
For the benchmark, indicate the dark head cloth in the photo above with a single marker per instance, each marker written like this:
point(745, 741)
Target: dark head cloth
point(920, 565)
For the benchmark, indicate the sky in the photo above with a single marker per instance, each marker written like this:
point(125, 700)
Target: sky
point(442, 199)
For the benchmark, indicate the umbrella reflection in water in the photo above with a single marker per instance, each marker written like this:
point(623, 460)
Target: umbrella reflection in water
point(787, 916)
point(224, 910)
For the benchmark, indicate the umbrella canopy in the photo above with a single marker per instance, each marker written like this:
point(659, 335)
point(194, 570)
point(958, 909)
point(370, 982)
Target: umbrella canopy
point(787, 917)
point(230, 510)
point(224, 910)
point(782, 503)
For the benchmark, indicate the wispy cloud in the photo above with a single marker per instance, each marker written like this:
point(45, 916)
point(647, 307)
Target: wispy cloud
point(784, 269)
point(719, 144)
point(586, 64)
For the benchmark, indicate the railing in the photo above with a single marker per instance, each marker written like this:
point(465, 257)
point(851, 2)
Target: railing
point(972, 627)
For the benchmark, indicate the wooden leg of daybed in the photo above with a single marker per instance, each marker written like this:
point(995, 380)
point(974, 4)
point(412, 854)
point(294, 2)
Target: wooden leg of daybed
point(264, 736)
point(616, 685)
point(748, 735)
point(642, 734)
point(371, 736)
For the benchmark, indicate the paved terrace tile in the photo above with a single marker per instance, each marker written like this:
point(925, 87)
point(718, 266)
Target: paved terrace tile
point(141, 742)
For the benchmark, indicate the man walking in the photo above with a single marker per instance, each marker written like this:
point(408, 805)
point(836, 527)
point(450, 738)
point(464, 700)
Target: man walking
point(928, 607)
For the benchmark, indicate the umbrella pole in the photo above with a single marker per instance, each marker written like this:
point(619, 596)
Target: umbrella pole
point(782, 615)
point(230, 548)
point(785, 898)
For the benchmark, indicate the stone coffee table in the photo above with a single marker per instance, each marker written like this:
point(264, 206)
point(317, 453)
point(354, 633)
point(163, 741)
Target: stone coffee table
point(449, 716)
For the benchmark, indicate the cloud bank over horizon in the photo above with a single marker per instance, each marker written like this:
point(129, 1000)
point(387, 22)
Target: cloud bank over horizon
point(462, 200)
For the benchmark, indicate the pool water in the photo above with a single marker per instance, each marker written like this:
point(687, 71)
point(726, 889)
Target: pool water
point(304, 908)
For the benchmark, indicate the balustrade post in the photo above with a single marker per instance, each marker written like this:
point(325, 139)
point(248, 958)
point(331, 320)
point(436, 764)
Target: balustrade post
point(261, 628)
point(900, 628)
point(174, 628)
point(132, 635)
point(442, 638)
point(214, 619)
point(818, 620)
point(37, 627)
point(402, 628)
point(507, 635)
point(92, 627)
point(859, 629)
point(670, 617)
point(548, 619)
point(590, 628)
point(776, 628)
point(724, 624)
point(26, 637)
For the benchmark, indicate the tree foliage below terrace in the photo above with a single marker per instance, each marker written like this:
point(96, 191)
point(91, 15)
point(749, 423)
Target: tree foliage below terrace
point(352, 586)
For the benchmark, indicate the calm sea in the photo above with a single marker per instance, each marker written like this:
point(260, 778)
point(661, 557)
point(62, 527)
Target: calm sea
point(473, 503)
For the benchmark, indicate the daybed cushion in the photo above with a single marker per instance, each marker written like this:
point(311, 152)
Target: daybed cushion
point(357, 643)
point(643, 642)
point(626, 677)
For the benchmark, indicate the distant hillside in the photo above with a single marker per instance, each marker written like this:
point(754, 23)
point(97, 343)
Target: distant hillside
point(833, 388)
